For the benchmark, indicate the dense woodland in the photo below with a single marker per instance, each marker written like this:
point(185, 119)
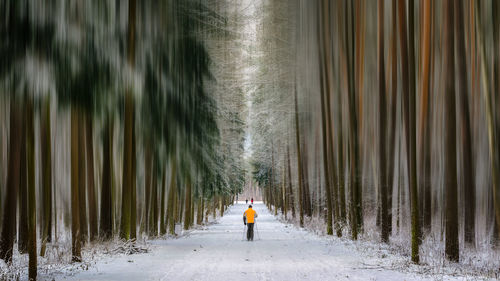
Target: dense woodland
point(383, 119)
point(115, 122)
point(122, 121)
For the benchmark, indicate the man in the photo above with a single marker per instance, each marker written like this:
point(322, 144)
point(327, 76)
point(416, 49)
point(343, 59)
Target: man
point(249, 219)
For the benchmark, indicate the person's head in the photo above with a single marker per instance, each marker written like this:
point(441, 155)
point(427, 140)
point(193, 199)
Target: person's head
point(250, 206)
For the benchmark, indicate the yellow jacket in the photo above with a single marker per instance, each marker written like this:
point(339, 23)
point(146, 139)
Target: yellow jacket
point(250, 214)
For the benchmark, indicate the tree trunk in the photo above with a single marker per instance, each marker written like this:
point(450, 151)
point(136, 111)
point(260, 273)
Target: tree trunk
point(328, 129)
point(187, 204)
point(356, 199)
point(128, 132)
point(46, 175)
point(147, 188)
point(30, 157)
point(90, 178)
point(22, 243)
point(75, 184)
point(393, 112)
point(382, 133)
point(425, 149)
point(290, 190)
point(467, 158)
point(450, 172)
point(153, 212)
point(82, 205)
point(133, 188)
point(171, 198)
point(199, 212)
point(163, 228)
point(106, 221)
point(408, 99)
point(299, 159)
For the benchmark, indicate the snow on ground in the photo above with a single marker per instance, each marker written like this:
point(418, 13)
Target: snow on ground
point(279, 252)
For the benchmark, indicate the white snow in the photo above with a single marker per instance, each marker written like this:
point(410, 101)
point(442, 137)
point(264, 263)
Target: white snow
point(218, 252)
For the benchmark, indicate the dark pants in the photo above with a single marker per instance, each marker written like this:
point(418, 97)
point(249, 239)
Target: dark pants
point(250, 231)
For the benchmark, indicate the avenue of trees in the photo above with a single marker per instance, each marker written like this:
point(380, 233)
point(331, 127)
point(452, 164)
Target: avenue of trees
point(115, 122)
point(381, 117)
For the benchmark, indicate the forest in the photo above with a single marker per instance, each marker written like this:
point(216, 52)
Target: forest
point(126, 122)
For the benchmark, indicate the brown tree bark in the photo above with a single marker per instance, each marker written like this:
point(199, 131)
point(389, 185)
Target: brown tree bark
point(450, 172)
point(89, 135)
point(425, 149)
point(171, 198)
point(382, 128)
point(393, 111)
point(82, 187)
point(467, 158)
point(46, 175)
point(128, 132)
point(407, 65)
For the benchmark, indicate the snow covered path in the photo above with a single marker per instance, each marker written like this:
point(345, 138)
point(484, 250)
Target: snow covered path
point(283, 252)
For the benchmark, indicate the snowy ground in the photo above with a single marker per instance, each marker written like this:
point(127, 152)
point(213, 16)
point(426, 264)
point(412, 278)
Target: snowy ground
point(218, 252)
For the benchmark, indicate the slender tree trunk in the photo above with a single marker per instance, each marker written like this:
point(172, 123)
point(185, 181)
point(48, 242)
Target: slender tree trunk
point(191, 219)
point(30, 156)
point(290, 189)
point(283, 191)
point(147, 176)
point(75, 184)
point(412, 134)
point(299, 159)
point(171, 198)
point(221, 204)
point(128, 132)
point(393, 111)
point(133, 188)
point(425, 131)
point(153, 229)
point(343, 69)
point(90, 178)
point(22, 243)
point(407, 65)
point(382, 132)
point(451, 221)
point(187, 204)
point(179, 207)
point(467, 158)
point(328, 129)
point(106, 213)
point(46, 174)
point(199, 212)
point(356, 200)
point(340, 161)
point(163, 228)
point(82, 205)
